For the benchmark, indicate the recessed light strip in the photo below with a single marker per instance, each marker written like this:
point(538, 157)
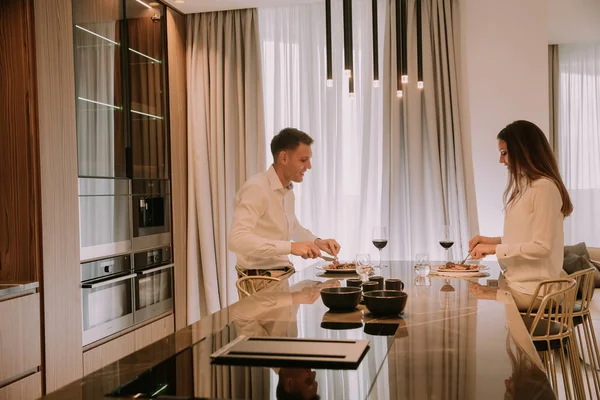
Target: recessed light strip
point(95, 34)
point(144, 4)
point(100, 103)
point(147, 115)
point(143, 55)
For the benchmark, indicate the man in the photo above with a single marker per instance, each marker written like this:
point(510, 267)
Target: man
point(265, 229)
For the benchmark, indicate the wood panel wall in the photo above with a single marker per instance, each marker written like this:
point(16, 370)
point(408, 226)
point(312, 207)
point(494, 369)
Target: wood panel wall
point(19, 336)
point(28, 388)
point(60, 278)
point(19, 144)
point(178, 120)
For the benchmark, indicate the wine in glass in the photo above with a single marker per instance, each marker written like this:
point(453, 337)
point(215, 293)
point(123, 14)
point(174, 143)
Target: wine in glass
point(363, 266)
point(380, 240)
point(447, 241)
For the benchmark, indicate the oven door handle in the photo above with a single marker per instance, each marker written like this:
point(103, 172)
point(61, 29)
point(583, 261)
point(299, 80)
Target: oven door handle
point(156, 269)
point(108, 282)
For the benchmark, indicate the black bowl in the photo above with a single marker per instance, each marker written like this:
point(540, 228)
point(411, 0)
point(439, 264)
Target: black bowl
point(338, 326)
point(341, 298)
point(385, 302)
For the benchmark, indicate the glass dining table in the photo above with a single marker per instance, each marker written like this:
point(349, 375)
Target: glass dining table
point(447, 344)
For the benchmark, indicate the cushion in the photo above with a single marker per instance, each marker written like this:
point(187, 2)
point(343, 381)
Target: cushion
point(573, 263)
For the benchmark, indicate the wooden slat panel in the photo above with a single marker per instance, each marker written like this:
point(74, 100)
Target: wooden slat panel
point(20, 342)
point(109, 352)
point(60, 283)
point(154, 331)
point(19, 145)
point(178, 121)
point(28, 388)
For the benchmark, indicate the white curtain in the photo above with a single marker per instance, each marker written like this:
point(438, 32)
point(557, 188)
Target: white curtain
point(579, 138)
point(402, 167)
point(226, 145)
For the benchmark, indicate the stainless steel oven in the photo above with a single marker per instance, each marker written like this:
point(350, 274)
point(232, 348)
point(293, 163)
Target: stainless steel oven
point(104, 217)
point(107, 300)
point(151, 213)
point(153, 289)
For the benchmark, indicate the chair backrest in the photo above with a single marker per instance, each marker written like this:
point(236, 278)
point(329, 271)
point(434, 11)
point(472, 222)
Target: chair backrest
point(585, 287)
point(249, 285)
point(556, 306)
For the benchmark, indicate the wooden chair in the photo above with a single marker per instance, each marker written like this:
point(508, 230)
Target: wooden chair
point(249, 285)
point(551, 329)
point(584, 329)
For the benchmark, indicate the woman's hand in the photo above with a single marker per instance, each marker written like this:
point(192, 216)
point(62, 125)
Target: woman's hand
point(482, 250)
point(478, 239)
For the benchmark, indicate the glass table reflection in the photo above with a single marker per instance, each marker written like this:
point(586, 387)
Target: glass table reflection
point(446, 345)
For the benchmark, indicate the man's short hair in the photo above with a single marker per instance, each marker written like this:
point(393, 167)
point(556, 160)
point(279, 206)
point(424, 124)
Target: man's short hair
point(289, 139)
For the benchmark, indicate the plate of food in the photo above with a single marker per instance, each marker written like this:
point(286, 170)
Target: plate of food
point(454, 267)
point(339, 267)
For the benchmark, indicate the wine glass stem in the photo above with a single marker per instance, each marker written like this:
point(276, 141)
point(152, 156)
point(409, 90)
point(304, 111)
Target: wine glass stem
point(447, 255)
point(379, 258)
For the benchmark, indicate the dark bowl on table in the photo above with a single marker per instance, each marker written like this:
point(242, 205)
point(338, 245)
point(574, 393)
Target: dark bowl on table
point(341, 298)
point(385, 302)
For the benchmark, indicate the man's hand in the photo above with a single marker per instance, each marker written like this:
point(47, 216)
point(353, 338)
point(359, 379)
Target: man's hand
point(305, 250)
point(329, 246)
point(482, 250)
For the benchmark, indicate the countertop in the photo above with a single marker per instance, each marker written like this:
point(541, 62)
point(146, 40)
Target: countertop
point(448, 344)
point(14, 288)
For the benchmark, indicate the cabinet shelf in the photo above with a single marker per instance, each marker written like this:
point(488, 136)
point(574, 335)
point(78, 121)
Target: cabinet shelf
point(104, 38)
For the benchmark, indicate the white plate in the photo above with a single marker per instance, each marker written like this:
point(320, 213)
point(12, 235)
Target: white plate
point(461, 274)
point(337, 271)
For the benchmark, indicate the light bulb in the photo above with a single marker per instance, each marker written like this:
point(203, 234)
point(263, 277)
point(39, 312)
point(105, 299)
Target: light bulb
point(404, 78)
point(420, 84)
point(329, 83)
point(351, 95)
point(348, 73)
point(399, 93)
point(376, 83)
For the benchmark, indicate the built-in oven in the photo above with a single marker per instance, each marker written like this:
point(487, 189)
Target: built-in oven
point(151, 213)
point(104, 217)
point(153, 288)
point(107, 297)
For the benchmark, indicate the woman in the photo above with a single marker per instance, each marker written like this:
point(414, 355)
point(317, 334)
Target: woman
point(535, 204)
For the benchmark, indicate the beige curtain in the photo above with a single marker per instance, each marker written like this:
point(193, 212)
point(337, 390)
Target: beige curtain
point(424, 176)
point(226, 145)
point(553, 82)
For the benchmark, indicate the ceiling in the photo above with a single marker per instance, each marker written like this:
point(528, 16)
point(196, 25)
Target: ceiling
point(568, 21)
point(197, 6)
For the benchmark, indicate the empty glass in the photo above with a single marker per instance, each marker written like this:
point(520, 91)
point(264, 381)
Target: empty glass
point(422, 265)
point(363, 266)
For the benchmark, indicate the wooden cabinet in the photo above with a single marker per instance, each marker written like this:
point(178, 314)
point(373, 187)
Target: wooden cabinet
point(19, 145)
point(28, 388)
point(20, 345)
point(122, 346)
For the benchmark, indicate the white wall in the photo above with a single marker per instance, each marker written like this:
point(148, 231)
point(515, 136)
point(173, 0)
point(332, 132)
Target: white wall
point(573, 21)
point(504, 78)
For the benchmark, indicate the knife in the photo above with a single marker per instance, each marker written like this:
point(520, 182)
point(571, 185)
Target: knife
point(330, 259)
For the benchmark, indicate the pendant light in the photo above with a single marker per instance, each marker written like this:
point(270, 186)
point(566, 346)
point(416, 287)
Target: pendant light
point(328, 42)
point(404, 41)
point(375, 43)
point(348, 60)
point(398, 18)
point(419, 47)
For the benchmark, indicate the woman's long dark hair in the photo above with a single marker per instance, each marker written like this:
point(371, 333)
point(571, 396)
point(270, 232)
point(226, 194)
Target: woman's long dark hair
point(529, 154)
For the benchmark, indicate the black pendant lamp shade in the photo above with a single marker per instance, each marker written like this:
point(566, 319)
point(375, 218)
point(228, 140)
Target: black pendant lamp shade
point(328, 42)
point(419, 46)
point(375, 44)
point(398, 17)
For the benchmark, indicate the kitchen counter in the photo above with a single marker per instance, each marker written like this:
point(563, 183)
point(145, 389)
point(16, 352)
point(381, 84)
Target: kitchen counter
point(448, 344)
point(9, 289)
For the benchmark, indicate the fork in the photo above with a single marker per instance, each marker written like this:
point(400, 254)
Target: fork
point(330, 259)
